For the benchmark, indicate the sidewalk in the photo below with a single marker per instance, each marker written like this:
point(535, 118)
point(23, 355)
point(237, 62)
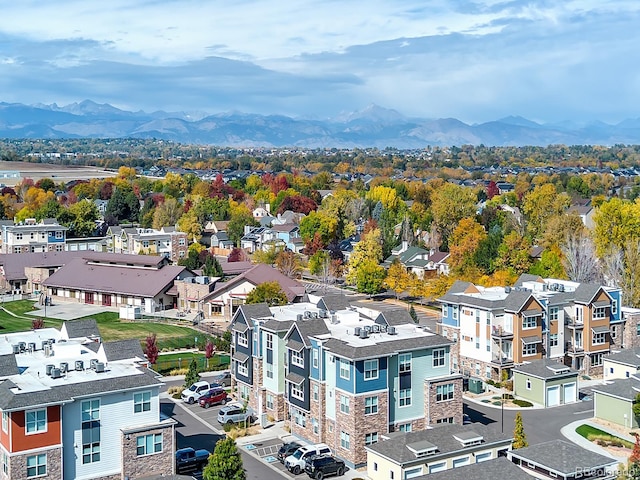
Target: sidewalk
point(569, 431)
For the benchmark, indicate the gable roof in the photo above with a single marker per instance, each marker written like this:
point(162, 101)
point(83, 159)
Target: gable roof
point(546, 369)
point(8, 365)
point(499, 467)
point(396, 316)
point(334, 302)
point(625, 388)
point(586, 292)
point(82, 328)
point(123, 350)
point(307, 328)
point(628, 356)
point(516, 300)
point(360, 352)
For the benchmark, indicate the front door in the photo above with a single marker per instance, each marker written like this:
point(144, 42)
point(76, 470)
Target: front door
point(88, 297)
point(106, 300)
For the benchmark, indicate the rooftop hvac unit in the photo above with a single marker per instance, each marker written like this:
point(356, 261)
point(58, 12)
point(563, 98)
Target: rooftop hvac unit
point(23, 346)
point(99, 367)
point(367, 328)
point(375, 328)
point(334, 319)
point(560, 287)
point(391, 330)
point(32, 347)
point(307, 314)
point(47, 349)
point(79, 365)
point(52, 341)
point(44, 344)
point(55, 373)
point(64, 367)
point(323, 314)
point(299, 317)
point(507, 289)
point(16, 348)
point(49, 368)
point(93, 363)
point(364, 333)
point(383, 328)
point(356, 331)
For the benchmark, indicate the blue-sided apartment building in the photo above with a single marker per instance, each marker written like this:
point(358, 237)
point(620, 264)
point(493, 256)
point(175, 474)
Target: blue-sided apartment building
point(341, 374)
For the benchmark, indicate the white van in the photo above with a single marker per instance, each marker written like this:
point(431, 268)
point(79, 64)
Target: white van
point(295, 463)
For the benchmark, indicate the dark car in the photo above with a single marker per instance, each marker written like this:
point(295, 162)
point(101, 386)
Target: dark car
point(322, 466)
point(223, 379)
point(287, 449)
point(215, 396)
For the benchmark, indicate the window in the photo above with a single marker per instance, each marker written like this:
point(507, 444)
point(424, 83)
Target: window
point(439, 357)
point(638, 329)
point(297, 358)
point(454, 313)
point(444, 392)
point(269, 341)
point(370, 369)
point(243, 369)
point(599, 312)
point(444, 310)
point(145, 244)
point(404, 362)
point(488, 318)
point(141, 402)
point(345, 441)
point(269, 401)
point(316, 428)
point(243, 340)
point(445, 420)
point(530, 349)
point(344, 370)
point(18, 236)
point(182, 242)
point(371, 438)
point(269, 370)
point(5, 421)
point(299, 418)
point(528, 384)
point(315, 358)
point(37, 465)
point(17, 249)
point(36, 421)
point(599, 338)
point(553, 313)
point(344, 404)
point(58, 235)
point(553, 340)
point(297, 391)
point(316, 392)
point(596, 360)
point(90, 431)
point(477, 343)
point(477, 316)
point(244, 391)
point(488, 343)
point(148, 444)
point(404, 427)
point(370, 405)
point(375, 467)
point(529, 322)
point(405, 397)
point(614, 306)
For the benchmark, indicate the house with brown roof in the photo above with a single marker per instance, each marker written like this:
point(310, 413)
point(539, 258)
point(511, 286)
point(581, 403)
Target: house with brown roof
point(114, 280)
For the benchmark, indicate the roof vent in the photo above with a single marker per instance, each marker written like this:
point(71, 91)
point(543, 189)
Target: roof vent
point(99, 367)
point(79, 365)
point(49, 368)
point(334, 319)
point(32, 347)
point(16, 348)
point(299, 317)
point(391, 330)
point(55, 373)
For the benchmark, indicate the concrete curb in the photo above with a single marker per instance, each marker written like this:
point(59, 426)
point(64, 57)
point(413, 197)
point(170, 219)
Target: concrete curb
point(569, 432)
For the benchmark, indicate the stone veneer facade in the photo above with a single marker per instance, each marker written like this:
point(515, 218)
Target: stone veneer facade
point(17, 468)
point(134, 466)
point(448, 409)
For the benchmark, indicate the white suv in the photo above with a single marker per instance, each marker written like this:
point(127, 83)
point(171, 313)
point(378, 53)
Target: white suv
point(295, 463)
point(194, 392)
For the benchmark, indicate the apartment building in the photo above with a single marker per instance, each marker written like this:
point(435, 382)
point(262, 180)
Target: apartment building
point(32, 236)
point(343, 377)
point(497, 328)
point(167, 241)
point(75, 408)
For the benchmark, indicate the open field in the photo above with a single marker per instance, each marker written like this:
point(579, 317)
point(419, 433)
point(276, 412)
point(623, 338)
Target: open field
point(58, 173)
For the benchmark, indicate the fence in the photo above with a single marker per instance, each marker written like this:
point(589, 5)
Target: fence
point(166, 365)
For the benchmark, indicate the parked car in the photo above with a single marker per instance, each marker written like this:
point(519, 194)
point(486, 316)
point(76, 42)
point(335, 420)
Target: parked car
point(296, 461)
point(215, 396)
point(223, 379)
point(235, 413)
point(194, 392)
point(287, 449)
point(320, 466)
point(189, 459)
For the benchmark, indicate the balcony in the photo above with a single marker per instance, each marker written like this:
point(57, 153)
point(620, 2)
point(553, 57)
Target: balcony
point(498, 331)
point(501, 360)
point(572, 349)
point(571, 322)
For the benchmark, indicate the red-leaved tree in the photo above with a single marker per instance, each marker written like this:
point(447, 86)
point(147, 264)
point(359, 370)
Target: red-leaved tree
point(209, 348)
point(151, 349)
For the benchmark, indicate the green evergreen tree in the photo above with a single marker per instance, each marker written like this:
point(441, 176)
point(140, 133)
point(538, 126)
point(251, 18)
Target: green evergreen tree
point(413, 314)
point(192, 375)
point(225, 463)
point(519, 437)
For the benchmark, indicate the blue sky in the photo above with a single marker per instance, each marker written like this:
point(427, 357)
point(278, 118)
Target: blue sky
point(546, 60)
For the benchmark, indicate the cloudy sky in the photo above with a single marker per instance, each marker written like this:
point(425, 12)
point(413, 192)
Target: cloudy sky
point(546, 60)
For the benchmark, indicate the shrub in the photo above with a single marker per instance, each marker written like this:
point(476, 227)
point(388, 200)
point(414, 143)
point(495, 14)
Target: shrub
point(178, 371)
point(522, 403)
point(497, 402)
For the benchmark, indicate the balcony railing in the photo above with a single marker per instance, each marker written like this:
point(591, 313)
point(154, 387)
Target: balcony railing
point(499, 332)
point(501, 360)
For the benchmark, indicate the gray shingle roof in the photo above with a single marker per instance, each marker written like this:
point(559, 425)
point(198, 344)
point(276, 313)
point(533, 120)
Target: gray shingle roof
point(527, 277)
point(255, 311)
point(516, 300)
point(585, 292)
point(343, 349)
point(562, 457)
point(628, 356)
point(123, 350)
point(8, 365)
point(498, 468)
point(274, 325)
point(395, 449)
point(626, 388)
point(335, 302)
point(397, 316)
point(310, 328)
point(545, 369)
point(87, 327)
point(67, 392)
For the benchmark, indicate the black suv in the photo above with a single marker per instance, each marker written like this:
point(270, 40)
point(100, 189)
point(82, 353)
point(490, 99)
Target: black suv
point(287, 449)
point(322, 466)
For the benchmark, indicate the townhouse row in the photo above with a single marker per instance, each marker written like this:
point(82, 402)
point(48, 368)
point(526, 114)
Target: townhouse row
point(495, 329)
point(343, 373)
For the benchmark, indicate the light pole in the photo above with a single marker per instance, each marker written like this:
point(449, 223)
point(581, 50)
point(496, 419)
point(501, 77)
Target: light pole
point(502, 411)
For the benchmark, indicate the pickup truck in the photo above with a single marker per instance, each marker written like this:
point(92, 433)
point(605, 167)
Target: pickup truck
point(192, 394)
point(189, 459)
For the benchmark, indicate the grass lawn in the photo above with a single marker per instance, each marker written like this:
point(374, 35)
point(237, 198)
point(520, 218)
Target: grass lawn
point(594, 434)
point(9, 323)
point(172, 361)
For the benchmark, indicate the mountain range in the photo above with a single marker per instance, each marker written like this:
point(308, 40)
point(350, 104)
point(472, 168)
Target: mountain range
point(373, 126)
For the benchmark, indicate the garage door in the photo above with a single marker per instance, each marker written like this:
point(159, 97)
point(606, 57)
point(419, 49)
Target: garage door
point(553, 396)
point(483, 457)
point(569, 392)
